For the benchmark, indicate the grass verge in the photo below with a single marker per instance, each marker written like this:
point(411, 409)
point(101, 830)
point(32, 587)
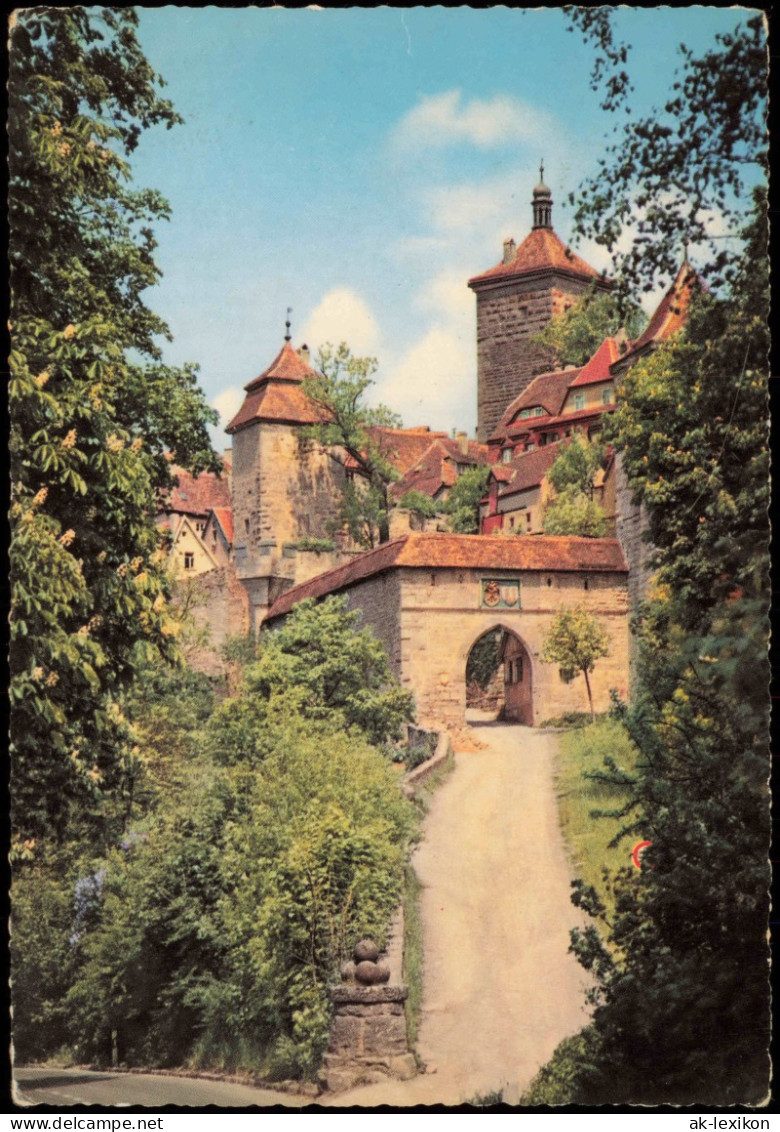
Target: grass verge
point(582, 752)
point(413, 952)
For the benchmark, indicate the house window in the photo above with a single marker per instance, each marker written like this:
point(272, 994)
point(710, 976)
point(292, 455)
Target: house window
point(506, 455)
point(530, 446)
point(579, 401)
point(606, 395)
point(525, 413)
point(528, 520)
point(189, 560)
point(539, 411)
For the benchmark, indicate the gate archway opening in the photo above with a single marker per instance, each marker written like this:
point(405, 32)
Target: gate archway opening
point(499, 680)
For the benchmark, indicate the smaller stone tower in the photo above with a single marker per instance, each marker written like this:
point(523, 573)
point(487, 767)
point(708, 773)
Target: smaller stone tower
point(515, 300)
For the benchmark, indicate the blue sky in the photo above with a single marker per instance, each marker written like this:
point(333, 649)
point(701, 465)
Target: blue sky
point(359, 165)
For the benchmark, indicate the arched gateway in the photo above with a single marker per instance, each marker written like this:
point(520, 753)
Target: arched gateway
point(430, 597)
point(499, 676)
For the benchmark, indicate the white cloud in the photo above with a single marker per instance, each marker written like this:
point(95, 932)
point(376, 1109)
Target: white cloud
point(444, 119)
point(342, 316)
point(227, 403)
point(448, 297)
point(433, 382)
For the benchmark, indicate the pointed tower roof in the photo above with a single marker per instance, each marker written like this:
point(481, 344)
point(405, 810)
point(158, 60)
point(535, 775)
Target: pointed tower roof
point(541, 252)
point(276, 395)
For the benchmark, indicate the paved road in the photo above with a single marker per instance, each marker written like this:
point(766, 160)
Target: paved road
point(62, 1087)
point(501, 990)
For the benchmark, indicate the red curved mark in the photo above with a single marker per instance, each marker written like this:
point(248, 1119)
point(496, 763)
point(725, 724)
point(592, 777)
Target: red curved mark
point(637, 850)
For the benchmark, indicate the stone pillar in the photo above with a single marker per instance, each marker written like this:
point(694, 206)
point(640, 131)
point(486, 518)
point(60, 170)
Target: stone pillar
point(368, 1031)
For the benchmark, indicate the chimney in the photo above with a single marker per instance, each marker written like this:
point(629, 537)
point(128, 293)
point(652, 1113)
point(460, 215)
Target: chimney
point(303, 354)
point(510, 247)
point(463, 443)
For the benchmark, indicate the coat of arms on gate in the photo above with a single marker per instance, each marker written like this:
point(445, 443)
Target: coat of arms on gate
point(501, 593)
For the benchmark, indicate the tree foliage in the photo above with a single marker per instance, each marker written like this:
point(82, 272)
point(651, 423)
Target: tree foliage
point(572, 510)
point(575, 641)
point(575, 334)
point(321, 666)
point(94, 411)
point(351, 431)
point(685, 172)
point(462, 504)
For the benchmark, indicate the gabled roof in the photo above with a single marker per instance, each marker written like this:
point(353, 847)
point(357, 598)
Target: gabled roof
point(403, 447)
point(529, 552)
point(276, 395)
point(671, 314)
point(541, 250)
point(597, 369)
point(186, 525)
point(223, 516)
point(196, 495)
point(548, 390)
point(528, 469)
point(437, 467)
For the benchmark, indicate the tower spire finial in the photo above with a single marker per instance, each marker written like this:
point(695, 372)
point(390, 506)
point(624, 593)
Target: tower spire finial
point(288, 336)
point(542, 202)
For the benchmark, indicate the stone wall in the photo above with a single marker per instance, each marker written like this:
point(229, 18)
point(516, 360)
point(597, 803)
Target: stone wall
point(508, 315)
point(283, 490)
point(441, 618)
point(219, 604)
point(630, 527)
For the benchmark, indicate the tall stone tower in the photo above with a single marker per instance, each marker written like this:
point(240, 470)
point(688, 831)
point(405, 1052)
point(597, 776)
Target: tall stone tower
point(283, 490)
point(515, 300)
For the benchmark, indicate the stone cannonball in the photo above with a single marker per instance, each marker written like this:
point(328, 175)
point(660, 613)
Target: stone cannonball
point(366, 949)
point(368, 973)
point(348, 971)
point(384, 973)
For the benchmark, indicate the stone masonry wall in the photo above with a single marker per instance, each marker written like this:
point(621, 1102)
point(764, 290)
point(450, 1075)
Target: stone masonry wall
point(282, 492)
point(441, 618)
point(508, 316)
point(220, 605)
point(439, 629)
point(630, 527)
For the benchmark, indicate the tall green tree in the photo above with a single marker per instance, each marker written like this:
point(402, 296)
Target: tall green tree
point(351, 430)
point(95, 413)
point(681, 989)
point(683, 174)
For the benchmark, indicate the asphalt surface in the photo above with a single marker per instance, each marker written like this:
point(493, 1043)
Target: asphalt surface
point(64, 1087)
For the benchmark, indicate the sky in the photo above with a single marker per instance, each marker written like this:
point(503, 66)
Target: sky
point(359, 166)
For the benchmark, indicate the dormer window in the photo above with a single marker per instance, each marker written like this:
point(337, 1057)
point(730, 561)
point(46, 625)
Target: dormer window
point(579, 401)
point(539, 411)
point(607, 395)
point(506, 455)
point(525, 414)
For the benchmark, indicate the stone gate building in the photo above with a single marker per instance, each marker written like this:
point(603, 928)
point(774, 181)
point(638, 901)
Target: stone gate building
point(431, 597)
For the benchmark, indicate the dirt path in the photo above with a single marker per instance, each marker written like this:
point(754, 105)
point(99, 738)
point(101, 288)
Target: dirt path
point(501, 990)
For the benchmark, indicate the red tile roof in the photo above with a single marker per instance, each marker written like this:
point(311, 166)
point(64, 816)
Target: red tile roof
point(530, 552)
point(566, 419)
point(224, 517)
point(276, 395)
point(528, 469)
point(437, 468)
point(541, 250)
point(548, 390)
point(671, 313)
point(597, 369)
point(288, 365)
point(403, 447)
point(196, 495)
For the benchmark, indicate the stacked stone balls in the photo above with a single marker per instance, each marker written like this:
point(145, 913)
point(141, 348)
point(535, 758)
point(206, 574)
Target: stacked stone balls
point(364, 967)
